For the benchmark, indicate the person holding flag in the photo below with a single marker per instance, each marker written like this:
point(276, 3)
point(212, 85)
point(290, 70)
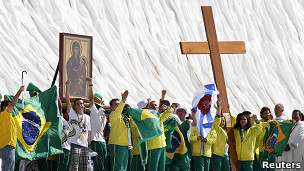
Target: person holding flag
point(8, 132)
point(265, 122)
point(181, 161)
point(220, 155)
point(245, 138)
point(294, 150)
point(203, 136)
point(157, 146)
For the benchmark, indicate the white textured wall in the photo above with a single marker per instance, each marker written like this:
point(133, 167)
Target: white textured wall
point(136, 47)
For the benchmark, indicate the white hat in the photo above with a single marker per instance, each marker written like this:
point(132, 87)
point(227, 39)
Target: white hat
point(182, 107)
point(142, 104)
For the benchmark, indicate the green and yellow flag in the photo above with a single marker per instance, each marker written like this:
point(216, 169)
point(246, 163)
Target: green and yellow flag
point(38, 126)
point(33, 89)
point(276, 139)
point(176, 148)
point(147, 123)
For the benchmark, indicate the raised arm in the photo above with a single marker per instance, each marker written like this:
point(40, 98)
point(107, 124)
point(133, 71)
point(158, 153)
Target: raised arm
point(167, 112)
point(162, 97)
point(91, 97)
point(13, 103)
point(67, 95)
point(219, 103)
point(163, 94)
point(194, 122)
point(118, 110)
point(60, 107)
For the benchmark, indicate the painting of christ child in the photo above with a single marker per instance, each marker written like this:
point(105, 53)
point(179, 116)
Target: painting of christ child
point(80, 86)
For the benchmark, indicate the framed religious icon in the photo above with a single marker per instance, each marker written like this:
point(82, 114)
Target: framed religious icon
point(75, 64)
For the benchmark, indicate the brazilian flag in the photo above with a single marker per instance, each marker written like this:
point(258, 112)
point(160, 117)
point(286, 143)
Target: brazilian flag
point(176, 147)
point(33, 89)
point(147, 123)
point(276, 139)
point(148, 126)
point(38, 126)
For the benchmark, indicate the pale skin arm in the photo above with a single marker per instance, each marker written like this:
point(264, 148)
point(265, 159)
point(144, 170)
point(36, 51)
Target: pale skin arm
point(60, 106)
point(163, 94)
point(67, 95)
point(13, 103)
point(219, 103)
point(124, 95)
point(91, 97)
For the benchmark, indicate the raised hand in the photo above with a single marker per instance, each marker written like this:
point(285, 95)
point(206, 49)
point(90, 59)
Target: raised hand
point(89, 80)
point(219, 102)
point(255, 117)
point(68, 83)
point(124, 95)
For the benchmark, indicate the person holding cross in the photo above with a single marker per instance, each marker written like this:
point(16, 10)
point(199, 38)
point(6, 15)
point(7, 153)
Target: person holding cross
point(220, 156)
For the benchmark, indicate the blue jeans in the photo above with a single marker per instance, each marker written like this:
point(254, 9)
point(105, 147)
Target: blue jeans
point(7, 154)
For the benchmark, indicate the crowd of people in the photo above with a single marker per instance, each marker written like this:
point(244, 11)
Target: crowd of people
point(114, 136)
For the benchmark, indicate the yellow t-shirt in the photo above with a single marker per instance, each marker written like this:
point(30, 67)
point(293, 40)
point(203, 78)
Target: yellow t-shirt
point(8, 130)
point(119, 132)
point(160, 141)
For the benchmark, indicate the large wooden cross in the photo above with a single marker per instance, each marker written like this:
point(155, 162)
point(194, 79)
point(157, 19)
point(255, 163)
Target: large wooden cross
point(215, 48)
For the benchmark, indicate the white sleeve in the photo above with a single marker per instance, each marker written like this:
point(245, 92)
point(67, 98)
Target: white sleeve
point(294, 143)
point(71, 112)
point(93, 110)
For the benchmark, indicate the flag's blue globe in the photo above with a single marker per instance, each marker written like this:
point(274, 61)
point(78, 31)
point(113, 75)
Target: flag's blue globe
point(31, 125)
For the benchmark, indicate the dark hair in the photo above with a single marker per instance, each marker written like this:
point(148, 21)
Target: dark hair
point(4, 104)
point(238, 124)
point(165, 102)
point(76, 101)
point(112, 101)
point(301, 114)
point(247, 113)
point(176, 104)
point(263, 110)
point(294, 111)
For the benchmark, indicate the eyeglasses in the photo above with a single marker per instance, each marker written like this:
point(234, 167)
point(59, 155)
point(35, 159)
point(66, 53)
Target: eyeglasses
point(243, 119)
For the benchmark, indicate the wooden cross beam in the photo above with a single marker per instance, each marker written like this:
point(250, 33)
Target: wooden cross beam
point(215, 48)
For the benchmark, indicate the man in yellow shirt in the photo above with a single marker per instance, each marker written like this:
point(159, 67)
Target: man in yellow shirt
point(157, 146)
point(120, 139)
point(8, 132)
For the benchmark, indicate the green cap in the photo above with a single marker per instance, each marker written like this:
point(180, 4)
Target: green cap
point(98, 95)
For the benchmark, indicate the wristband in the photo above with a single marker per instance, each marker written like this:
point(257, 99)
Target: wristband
point(90, 84)
point(123, 99)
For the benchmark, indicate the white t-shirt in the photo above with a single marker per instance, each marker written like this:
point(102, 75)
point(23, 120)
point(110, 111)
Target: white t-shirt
point(98, 122)
point(80, 127)
point(65, 133)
